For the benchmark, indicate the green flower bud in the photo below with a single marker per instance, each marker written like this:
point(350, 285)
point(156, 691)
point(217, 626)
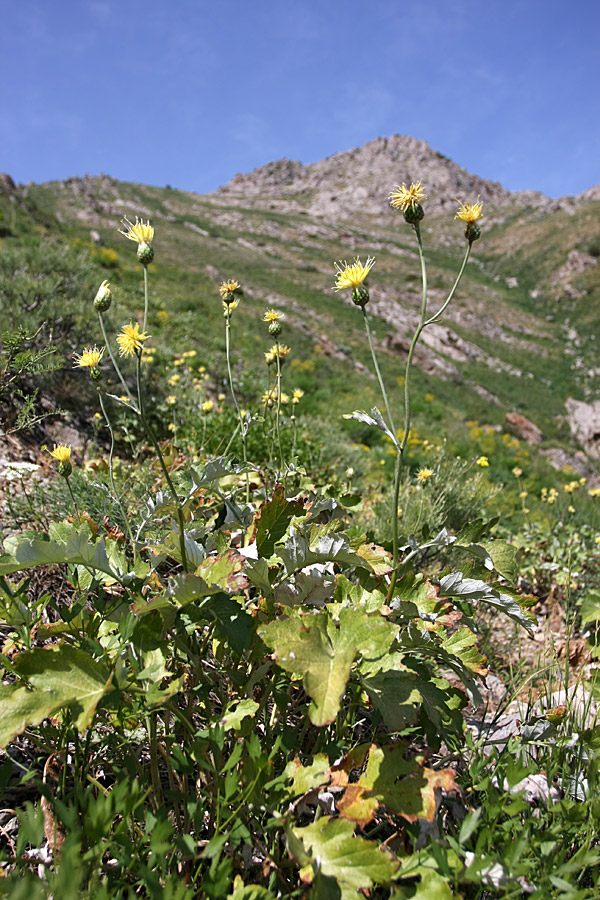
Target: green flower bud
point(360, 295)
point(145, 253)
point(65, 469)
point(103, 298)
point(414, 213)
point(95, 374)
point(275, 329)
point(472, 232)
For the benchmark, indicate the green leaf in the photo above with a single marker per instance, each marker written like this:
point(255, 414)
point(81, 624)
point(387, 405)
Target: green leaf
point(257, 571)
point(273, 521)
point(504, 558)
point(590, 608)
point(299, 551)
point(235, 715)
point(375, 420)
point(395, 693)
point(73, 676)
point(333, 851)
point(224, 571)
point(472, 589)
point(432, 886)
point(20, 708)
point(306, 778)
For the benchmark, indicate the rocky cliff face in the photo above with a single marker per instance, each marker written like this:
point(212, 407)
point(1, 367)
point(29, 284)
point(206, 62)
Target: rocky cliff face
point(359, 181)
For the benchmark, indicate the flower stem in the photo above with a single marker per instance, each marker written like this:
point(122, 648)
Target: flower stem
point(114, 361)
point(145, 297)
point(437, 315)
point(110, 474)
point(278, 414)
point(243, 428)
point(155, 444)
point(377, 370)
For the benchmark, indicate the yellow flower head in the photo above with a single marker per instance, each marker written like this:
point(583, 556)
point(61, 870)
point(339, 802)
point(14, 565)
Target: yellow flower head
point(482, 461)
point(131, 339)
point(352, 276)
point(469, 212)
point(271, 355)
point(424, 474)
point(139, 232)
point(162, 316)
point(171, 400)
point(227, 291)
point(285, 399)
point(207, 405)
point(61, 452)
point(272, 315)
point(517, 472)
point(297, 395)
point(269, 397)
point(189, 354)
point(406, 197)
point(89, 359)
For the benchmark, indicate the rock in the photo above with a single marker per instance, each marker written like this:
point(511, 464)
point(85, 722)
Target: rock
point(95, 236)
point(567, 462)
point(7, 184)
point(523, 428)
point(577, 262)
point(584, 422)
point(211, 272)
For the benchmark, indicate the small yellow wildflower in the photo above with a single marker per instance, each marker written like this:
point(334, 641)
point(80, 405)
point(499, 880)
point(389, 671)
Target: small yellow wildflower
point(124, 398)
point(469, 212)
point(552, 495)
point(424, 474)
point(276, 350)
point(429, 398)
point(229, 287)
point(171, 426)
point(202, 369)
point(594, 492)
point(571, 509)
point(517, 472)
point(172, 381)
point(405, 197)
point(482, 461)
point(149, 359)
point(297, 395)
point(285, 399)
point(272, 315)
point(61, 452)
point(207, 406)
point(139, 232)
point(189, 354)
point(163, 316)
point(352, 276)
point(178, 362)
point(571, 486)
point(171, 400)
point(221, 397)
point(228, 307)
point(269, 397)
point(131, 339)
point(349, 472)
point(89, 359)
point(523, 494)
point(597, 539)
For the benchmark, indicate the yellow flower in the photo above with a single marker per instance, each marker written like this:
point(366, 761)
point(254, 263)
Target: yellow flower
point(284, 399)
point(269, 397)
point(89, 359)
point(571, 486)
point(148, 359)
point(597, 539)
point(272, 315)
point(517, 472)
point(172, 381)
point(424, 474)
point(297, 394)
point(163, 316)
point(229, 287)
point(469, 212)
point(571, 509)
point(403, 197)
point(229, 306)
point(429, 398)
point(61, 452)
point(594, 492)
point(207, 405)
point(171, 426)
point(124, 398)
point(271, 355)
point(202, 369)
point(171, 399)
point(352, 276)
point(482, 461)
point(221, 397)
point(523, 494)
point(189, 354)
point(131, 339)
point(138, 232)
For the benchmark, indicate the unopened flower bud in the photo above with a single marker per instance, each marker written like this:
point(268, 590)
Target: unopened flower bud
point(360, 295)
point(95, 374)
point(275, 329)
point(65, 469)
point(103, 298)
point(145, 253)
point(414, 213)
point(472, 232)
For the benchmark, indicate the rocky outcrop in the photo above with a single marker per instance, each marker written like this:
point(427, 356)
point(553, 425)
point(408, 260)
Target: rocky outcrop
point(524, 428)
point(584, 422)
point(577, 262)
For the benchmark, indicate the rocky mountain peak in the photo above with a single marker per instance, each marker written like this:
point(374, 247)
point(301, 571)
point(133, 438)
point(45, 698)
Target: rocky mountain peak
point(359, 181)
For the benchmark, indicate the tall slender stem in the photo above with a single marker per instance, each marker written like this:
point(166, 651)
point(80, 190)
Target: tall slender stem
point(114, 361)
point(278, 415)
point(437, 315)
point(111, 476)
point(377, 370)
point(243, 428)
point(155, 444)
point(145, 298)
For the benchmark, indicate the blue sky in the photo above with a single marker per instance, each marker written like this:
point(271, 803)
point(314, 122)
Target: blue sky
point(189, 92)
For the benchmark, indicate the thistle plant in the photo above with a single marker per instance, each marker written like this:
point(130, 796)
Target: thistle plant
point(230, 291)
point(353, 276)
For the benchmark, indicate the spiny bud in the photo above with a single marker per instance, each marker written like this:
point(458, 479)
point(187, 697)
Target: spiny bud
point(145, 253)
point(414, 213)
point(65, 469)
point(360, 295)
point(275, 329)
point(103, 298)
point(472, 232)
point(96, 374)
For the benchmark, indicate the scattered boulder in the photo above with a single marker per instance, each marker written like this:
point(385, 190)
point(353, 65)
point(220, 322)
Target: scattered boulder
point(584, 422)
point(7, 185)
point(525, 429)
